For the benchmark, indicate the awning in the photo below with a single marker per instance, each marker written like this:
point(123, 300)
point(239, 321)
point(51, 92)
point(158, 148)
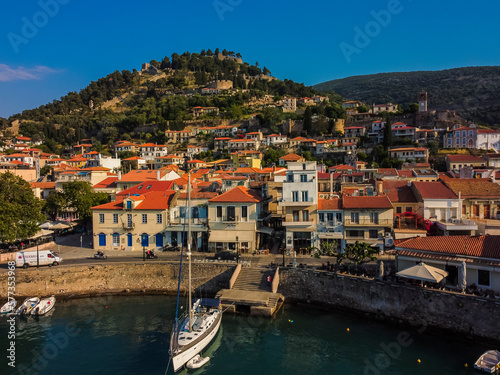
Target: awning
point(423, 272)
point(230, 236)
point(265, 230)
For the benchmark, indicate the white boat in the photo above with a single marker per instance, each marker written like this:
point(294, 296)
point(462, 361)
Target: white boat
point(194, 330)
point(27, 306)
point(489, 362)
point(197, 361)
point(8, 307)
point(44, 306)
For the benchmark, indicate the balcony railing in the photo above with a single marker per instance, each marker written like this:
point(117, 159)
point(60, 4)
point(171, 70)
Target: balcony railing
point(183, 220)
point(292, 202)
point(368, 222)
point(331, 223)
point(128, 226)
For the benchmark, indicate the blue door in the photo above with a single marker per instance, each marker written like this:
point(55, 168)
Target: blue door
point(102, 239)
point(144, 240)
point(159, 240)
point(129, 205)
point(129, 240)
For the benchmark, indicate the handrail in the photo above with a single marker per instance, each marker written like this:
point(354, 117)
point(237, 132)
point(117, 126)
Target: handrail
point(276, 281)
point(235, 276)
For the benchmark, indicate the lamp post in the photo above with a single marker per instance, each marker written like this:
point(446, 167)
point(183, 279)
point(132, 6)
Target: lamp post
point(143, 253)
point(81, 240)
point(237, 250)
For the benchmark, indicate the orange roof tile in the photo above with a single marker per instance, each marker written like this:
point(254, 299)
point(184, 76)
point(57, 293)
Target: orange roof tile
point(367, 202)
point(109, 182)
point(329, 204)
point(238, 194)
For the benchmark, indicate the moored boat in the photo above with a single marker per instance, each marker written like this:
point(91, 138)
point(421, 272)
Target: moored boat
point(27, 306)
point(44, 306)
point(489, 362)
point(197, 361)
point(8, 307)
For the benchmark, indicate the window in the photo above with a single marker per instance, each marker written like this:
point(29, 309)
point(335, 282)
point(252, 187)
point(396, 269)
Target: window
point(244, 245)
point(355, 233)
point(321, 216)
point(399, 209)
point(129, 220)
point(144, 218)
point(305, 215)
point(329, 216)
point(374, 217)
point(355, 217)
point(295, 196)
point(373, 233)
point(409, 209)
point(295, 215)
point(305, 196)
point(244, 213)
point(159, 219)
point(115, 218)
point(338, 217)
point(101, 218)
point(129, 205)
point(289, 177)
point(483, 277)
point(218, 210)
point(116, 239)
point(230, 211)
point(303, 178)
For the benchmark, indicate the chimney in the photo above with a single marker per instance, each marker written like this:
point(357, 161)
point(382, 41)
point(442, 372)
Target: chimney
point(158, 174)
point(119, 175)
point(380, 188)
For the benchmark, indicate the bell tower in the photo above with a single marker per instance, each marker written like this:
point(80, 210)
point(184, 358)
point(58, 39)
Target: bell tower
point(422, 102)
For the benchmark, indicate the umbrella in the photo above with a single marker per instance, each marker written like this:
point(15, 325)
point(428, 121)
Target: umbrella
point(60, 225)
point(464, 276)
point(45, 225)
point(41, 233)
point(423, 272)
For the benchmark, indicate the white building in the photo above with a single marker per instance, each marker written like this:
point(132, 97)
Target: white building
point(289, 104)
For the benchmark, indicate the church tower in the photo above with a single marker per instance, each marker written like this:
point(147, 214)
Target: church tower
point(422, 102)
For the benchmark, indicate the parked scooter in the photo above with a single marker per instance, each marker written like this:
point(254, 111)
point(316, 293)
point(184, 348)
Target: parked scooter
point(151, 255)
point(100, 255)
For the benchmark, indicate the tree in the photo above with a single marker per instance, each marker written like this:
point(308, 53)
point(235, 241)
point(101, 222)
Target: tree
point(20, 211)
point(387, 142)
point(308, 120)
point(55, 203)
point(266, 71)
point(80, 197)
point(360, 252)
point(363, 109)
point(413, 108)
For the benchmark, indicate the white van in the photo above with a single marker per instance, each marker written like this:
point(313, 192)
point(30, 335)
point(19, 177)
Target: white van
point(28, 258)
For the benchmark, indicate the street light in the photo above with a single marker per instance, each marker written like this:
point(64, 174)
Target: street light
point(237, 250)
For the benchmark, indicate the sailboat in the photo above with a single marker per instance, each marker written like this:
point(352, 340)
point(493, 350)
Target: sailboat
point(197, 327)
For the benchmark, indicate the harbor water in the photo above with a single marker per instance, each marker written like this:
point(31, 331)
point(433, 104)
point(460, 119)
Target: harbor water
point(130, 335)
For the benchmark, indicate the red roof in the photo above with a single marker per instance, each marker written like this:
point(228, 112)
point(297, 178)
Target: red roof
point(329, 204)
point(239, 194)
point(475, 246)
point(464, 159)
point(195, 161)
point(109, 182)
point(146, 187)
point(43, 185)
point(434, 190)
point(406, 173)
point(291, 157)
point(398, 191)
point(367, 202)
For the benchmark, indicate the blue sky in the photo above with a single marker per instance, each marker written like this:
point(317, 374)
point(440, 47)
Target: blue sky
point(51, 47)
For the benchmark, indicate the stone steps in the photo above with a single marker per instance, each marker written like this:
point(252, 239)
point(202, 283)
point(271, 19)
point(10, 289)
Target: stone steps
point(253, 279)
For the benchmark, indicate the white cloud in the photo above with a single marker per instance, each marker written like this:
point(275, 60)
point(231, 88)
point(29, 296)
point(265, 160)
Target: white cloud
point(8, 73)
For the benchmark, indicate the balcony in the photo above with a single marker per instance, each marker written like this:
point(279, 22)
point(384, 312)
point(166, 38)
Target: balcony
point(183, 220)
point(368, 223)
point(298, 223)
point(291, 202)
point(128, 226)
point(330, 223)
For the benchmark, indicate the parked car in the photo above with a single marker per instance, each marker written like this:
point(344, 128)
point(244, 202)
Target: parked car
point(226, 255)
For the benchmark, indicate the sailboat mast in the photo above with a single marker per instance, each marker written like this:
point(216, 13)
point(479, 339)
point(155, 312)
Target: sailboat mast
point(189, 250)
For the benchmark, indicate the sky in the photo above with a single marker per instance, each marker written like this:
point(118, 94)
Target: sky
point(51, 47)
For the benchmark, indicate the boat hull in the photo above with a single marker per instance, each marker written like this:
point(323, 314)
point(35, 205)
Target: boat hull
point(180, 359)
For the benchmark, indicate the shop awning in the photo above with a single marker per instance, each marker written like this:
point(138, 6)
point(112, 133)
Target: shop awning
point(265, 230)
point(230, 236)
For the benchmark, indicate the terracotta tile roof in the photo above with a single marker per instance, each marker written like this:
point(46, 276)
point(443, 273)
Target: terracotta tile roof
point(341, 167)
point(382, 202)
point(247, 170)
point(482, 131)
point(473, 187)
point(298, 139)
point(388, 171)
point(330, 204)
point(156, 200)
point(142, 175)
point(43, 185)
point(434, 190)
point(109, 182)
point(271, 170)
point(291, 157)
point(492, 156)
point(148, 186)
point(134, 158)
point(195, 161)
point(102, 169)
point(464, 159)
point(398, 192)
point(239, 194)
point(475, 246)
point(407, 173)
point(198, 193)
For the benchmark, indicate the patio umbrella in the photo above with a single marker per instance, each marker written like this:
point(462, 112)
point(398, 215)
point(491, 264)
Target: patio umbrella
point(46, 225)
point(60, 225)
point(423, 272)
point(41, 233)
point(464, 276)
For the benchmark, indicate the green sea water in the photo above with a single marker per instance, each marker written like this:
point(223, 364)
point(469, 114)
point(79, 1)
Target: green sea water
point(130, 335)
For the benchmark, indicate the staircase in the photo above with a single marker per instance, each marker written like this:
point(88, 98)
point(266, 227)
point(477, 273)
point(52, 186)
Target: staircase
point(253, 279)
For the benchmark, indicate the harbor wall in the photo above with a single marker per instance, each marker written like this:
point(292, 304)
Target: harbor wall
point(470, 316)
point(85, 281)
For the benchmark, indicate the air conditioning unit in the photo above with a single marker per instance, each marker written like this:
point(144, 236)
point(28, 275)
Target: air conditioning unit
point(388, 242)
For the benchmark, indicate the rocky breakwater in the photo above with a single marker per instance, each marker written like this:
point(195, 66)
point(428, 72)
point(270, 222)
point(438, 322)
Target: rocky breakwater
point(119, 278)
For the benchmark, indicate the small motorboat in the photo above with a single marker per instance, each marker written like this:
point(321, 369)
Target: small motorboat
point(27, 306)
point(8, 307)
point(44, 306)
point(197, 361)
point(489, 362)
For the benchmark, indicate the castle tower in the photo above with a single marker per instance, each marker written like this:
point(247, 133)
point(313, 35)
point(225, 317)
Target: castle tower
point(422, 102)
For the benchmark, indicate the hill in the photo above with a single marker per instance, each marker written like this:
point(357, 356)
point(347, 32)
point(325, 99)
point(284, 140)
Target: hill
point(162, 94)
point(474, 92)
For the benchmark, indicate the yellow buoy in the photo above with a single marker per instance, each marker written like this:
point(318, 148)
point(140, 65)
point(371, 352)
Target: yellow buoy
point(466, 365)
point(419, 361)
point(347, 329)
